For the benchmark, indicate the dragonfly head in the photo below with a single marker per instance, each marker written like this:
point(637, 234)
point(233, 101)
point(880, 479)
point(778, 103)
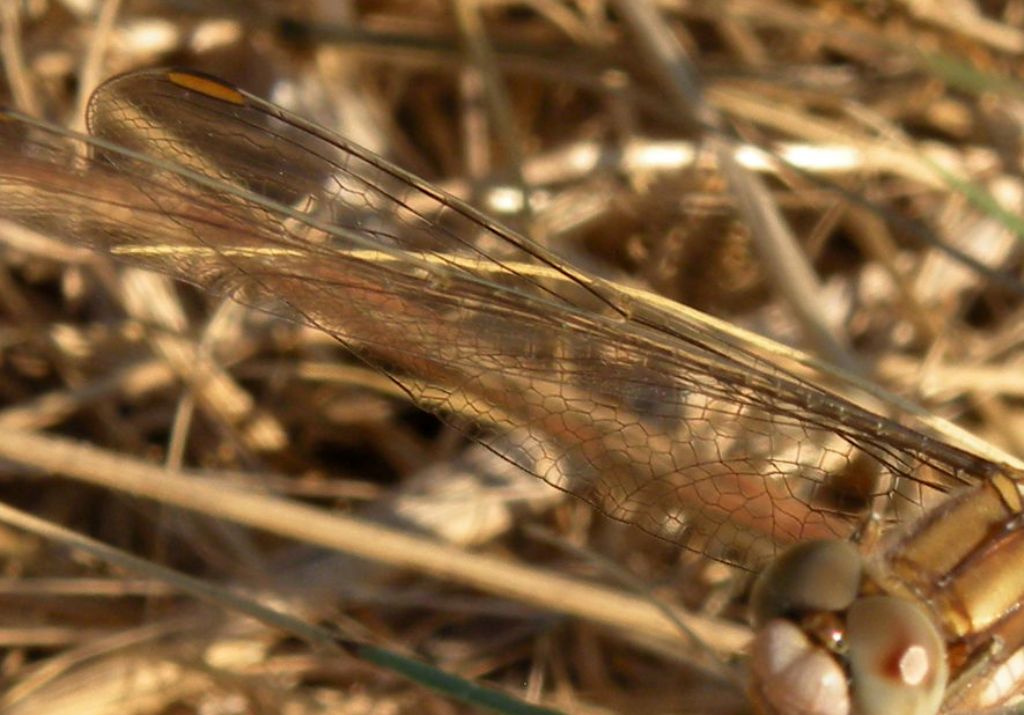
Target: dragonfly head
point(826, 647)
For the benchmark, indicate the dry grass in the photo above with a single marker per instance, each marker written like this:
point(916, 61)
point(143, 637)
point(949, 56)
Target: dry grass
point(857, 223)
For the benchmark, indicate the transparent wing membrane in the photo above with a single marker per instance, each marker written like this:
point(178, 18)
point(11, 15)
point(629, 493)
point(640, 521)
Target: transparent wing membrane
point(651, 414)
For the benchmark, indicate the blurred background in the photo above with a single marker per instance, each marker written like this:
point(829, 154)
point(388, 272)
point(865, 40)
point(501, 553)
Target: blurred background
point(875, 224)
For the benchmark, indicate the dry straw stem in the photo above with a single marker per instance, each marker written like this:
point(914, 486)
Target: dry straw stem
point(533, 586)
point(784, 259)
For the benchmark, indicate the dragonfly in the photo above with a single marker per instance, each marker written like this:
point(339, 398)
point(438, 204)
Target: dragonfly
point(657, 415)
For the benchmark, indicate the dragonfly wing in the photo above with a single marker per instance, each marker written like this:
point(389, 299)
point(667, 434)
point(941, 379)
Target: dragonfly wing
point(651, 414)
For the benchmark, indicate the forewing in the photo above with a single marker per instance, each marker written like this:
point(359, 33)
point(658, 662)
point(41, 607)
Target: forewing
point(652, 414)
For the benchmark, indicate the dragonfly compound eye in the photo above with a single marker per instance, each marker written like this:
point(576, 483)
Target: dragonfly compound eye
point(792, 675)
point(896, 656)
point(820, 575)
